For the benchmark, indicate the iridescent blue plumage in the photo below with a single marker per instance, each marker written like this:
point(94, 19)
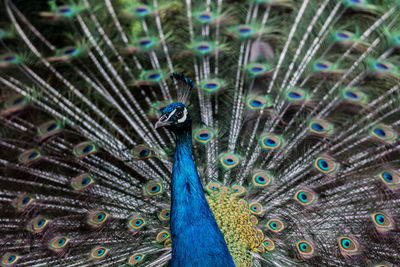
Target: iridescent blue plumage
point(196, 237)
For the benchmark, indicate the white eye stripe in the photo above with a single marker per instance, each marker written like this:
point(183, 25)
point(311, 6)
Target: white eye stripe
point(170, 115)
point(184, 116)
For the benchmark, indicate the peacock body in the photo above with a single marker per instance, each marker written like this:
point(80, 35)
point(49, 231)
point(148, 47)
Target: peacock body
point(189, 133)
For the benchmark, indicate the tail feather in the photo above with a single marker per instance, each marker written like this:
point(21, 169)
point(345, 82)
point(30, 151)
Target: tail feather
point(296, 131)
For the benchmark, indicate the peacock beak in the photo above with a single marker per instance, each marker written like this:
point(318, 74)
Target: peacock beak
point(162, 122)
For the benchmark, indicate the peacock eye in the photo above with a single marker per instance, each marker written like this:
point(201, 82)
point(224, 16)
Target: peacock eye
point(179, 113)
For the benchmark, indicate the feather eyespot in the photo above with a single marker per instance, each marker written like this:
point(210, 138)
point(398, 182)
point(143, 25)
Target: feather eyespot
point(271, 141)
point(153, 188)
point(151, 76)
point(213, 187)
point(212, 86)
point(383, 68)
point(58, 243)
point(348, 246)
point(305, 197)
point(22, 202)
point(326, 165)
point(18, 100)
point(165, 214)
point(383, 221)
point(391, 178)
point(37, 224)
point(203, 135)
point(162, 236)
point(9, 259)
point(268, 244)
point(81, 182)
point(9, 59)
point(29, 156)
point(203, 48)
point(98, 253)
point(14, 104)
point(319, 126)
point(257, 69)
point(352, 95)
point(245, 31)
point(275, 225)
point(256, 208)
point(261, 179)
point(322, 66)
point(355, 96)
point(85, 148)
point(145, 43)
point(229, 160)
point(344, 38)
point(142, 152)
point(384, 133)
point(64, 10)
point(305, 249)
point(141, 10)
point(238, 190)
point(135, 223)
point(136, 258)
point(97, 218)
point(294, 95)
point(257, 102)
point(48, 129)
point(69, 51)
point(342, 35)
point(204, 17)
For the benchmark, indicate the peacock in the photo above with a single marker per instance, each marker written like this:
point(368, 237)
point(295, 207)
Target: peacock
point(200, 133)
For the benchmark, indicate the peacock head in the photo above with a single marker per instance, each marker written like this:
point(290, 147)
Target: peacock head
point(175, 117)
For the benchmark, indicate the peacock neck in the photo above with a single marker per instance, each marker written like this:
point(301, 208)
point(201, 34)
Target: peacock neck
point(196, 237)
point(185, 179)
point(183, 143)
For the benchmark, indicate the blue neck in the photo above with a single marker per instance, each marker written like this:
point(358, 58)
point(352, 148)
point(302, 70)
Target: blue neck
point(196, 237)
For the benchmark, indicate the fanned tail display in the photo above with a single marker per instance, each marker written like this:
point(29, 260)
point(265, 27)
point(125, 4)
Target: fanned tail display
point(200, 133)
